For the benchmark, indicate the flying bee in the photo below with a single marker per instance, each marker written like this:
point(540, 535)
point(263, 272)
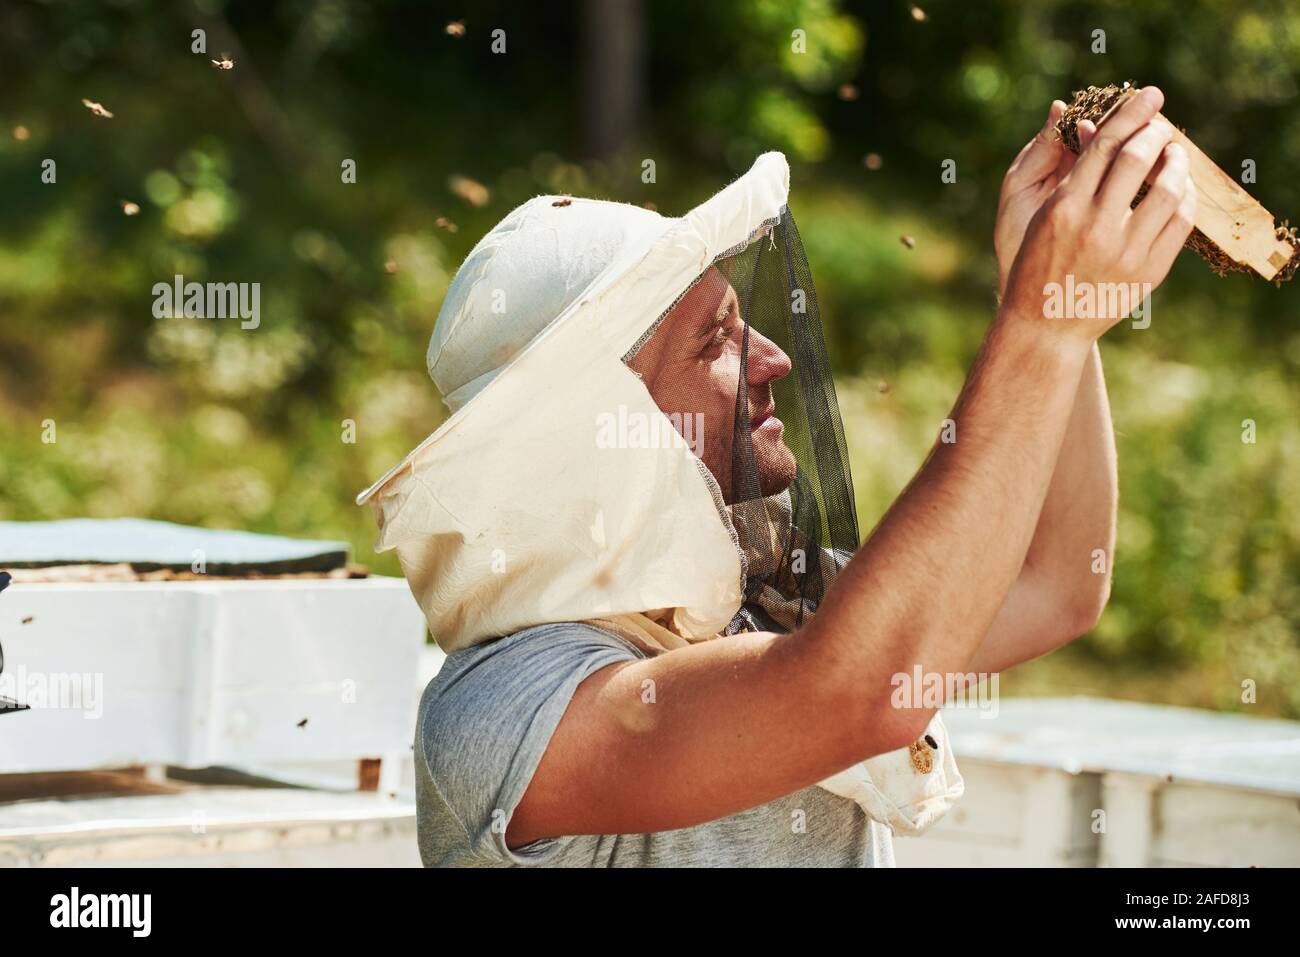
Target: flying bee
point(225, 63)
point(442, 222)
point(907, 241)
point(470, 190)
point(130, 208)
point(456, 28)
point(96, 108)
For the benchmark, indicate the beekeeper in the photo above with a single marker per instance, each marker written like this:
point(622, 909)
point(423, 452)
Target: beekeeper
point(675, 652)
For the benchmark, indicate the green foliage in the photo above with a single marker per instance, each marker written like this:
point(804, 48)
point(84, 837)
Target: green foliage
point(237, 175)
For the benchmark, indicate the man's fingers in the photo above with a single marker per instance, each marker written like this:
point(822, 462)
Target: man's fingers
point(1040, 156)
point(1132, 167)
point(1161, 202)
point(1087, 175)
point(1086, 129)
point(1176, 230)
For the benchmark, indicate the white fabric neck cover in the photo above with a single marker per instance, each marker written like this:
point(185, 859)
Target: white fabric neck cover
point(511, 514)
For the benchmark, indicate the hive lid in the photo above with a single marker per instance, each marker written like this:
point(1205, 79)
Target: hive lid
point(150, 545)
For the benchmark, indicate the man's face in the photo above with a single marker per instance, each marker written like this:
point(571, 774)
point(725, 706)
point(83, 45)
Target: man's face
point(691, 365)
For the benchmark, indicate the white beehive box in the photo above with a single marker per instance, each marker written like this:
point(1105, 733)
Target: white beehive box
point(200, 673)
point(213, 827)
point(1092, 782)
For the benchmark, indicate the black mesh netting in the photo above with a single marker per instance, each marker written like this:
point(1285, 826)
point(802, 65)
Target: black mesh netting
point(789, 492)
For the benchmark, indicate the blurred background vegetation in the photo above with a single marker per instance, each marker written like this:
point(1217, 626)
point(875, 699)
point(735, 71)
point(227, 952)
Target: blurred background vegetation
point(236, 174)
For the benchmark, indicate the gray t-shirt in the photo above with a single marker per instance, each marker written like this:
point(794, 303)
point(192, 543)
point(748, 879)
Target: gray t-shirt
point(484, 722)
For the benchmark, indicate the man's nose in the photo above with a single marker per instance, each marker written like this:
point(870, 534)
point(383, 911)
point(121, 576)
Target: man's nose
point(766, 361)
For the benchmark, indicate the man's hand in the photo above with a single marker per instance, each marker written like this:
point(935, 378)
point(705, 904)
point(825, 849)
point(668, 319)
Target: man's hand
point(1086, 228)
point(1035, 172)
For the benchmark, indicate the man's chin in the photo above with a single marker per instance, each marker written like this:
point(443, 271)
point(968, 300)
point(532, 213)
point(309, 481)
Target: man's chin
point(776, 468)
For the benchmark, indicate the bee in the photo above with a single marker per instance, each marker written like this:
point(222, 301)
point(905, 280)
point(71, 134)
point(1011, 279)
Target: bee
point(848, 92)
point(302, 723)
point(922, 759)
point(907, 241)
point(650, 206)
point(918, 14)
point(21, 133)
point(456, 28)
point(873, 161)
point(225, 63)
point(470, 190)
point(442, 222)
point(129, 207)
point(97, 108)
point(390, 267)
point(563, 202)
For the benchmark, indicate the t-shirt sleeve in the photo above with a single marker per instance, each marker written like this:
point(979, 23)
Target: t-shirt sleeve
point(487, 726)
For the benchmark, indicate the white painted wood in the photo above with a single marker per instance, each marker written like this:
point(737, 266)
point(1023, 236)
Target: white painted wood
point(1205, 825)
point(1130, 801)
point(213, 827)
point(204, 673)
point(390, 772)
point(1098, 735)
point(1177, 786)
point(1011, 816)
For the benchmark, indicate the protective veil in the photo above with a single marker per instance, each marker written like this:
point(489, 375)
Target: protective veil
point(559, 490)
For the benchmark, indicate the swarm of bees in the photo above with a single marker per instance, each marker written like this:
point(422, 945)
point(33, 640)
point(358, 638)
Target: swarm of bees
point(225, 63)
point(96, 108)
